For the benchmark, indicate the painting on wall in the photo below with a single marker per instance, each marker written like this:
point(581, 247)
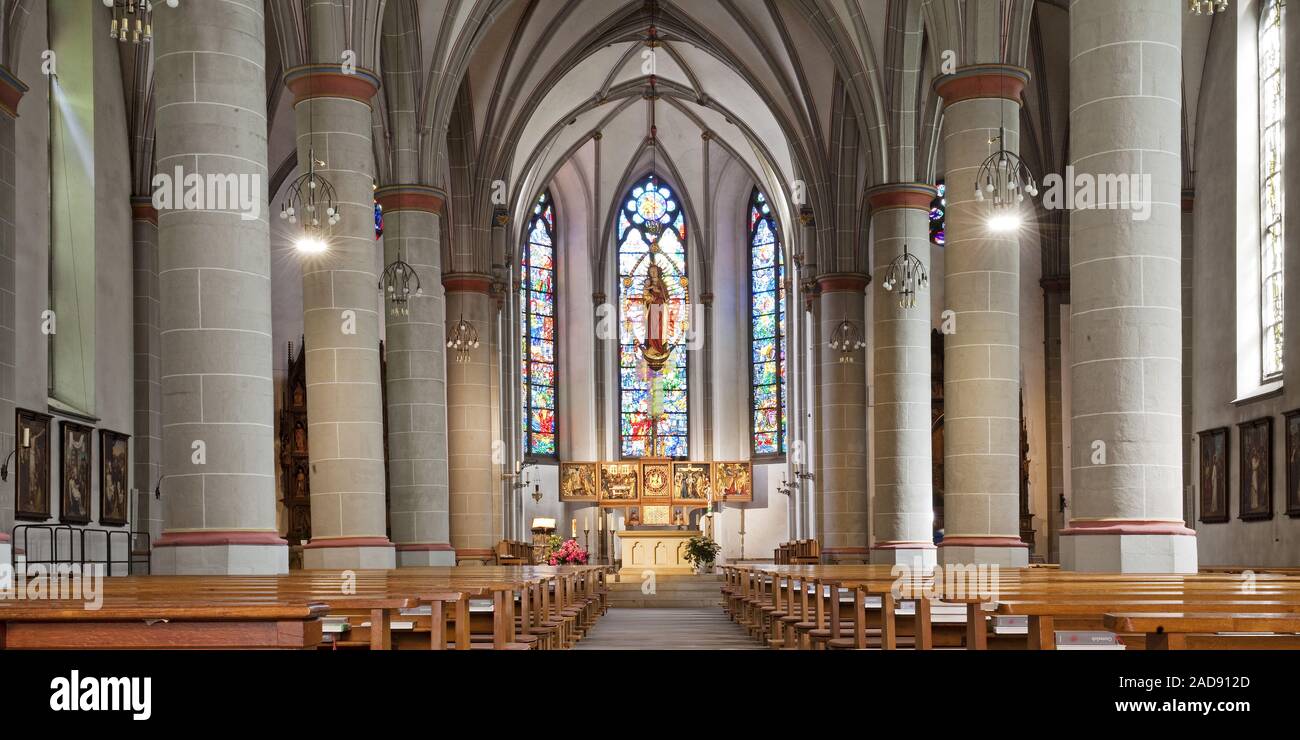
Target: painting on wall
point(114, 470)
point(619, 481)
point(734, 481)
point(1256, 440)
point(1292, 425)
point(578, 481)
point(656, 480)
point(692, 481)
point(74, 473)
point(1214, 475)
point(32, 500)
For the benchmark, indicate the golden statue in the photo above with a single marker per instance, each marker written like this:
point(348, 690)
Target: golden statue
point(658, 319)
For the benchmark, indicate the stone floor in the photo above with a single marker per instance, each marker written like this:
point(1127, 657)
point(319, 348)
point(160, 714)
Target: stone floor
point(630, 628)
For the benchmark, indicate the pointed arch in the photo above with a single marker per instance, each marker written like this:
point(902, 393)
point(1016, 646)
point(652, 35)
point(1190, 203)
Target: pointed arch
point(767, 330)
point(654, 300)
point(538, 331)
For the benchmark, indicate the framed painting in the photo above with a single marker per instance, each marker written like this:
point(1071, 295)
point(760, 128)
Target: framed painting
point(692, 481)
point(734, 481)
point(578, 481)
point(1256, 449)
point(74, 473)
point(1214, 475)
point(620, 481)
point(32, 486)
point(114, 472)
point(1292, 426)
point(656, 481)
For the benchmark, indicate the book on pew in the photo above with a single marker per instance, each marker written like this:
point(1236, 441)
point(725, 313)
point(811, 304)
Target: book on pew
point(1010, 624)
point(1087, 640)
point(334, 625)
point(941, 613)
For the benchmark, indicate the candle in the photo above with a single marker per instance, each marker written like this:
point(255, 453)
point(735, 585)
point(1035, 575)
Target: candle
point(586, 523)
point(27, 436)
point(573, 526)
point(600, 522)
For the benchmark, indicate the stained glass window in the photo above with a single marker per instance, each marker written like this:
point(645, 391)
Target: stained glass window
point(767, 328)
point(1272, 104)
point(938, 210)
point(654, 320)
point(537, 331)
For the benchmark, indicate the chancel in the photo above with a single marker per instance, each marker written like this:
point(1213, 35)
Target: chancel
point(350, 325)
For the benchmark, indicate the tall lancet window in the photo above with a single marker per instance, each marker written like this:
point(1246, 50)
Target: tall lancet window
point(537, 331)
point(767, 328)
point(654, 320)
point(1272, 107)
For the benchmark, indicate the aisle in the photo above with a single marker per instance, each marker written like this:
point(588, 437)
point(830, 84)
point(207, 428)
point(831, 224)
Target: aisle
point(666, 629)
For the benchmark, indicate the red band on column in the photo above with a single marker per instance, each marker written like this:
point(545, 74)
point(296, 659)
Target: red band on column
point(348, 542)
point(206, 539)
point(410, 198)
point(983, 81)
point(142, 210)
point(990, 541)
point(463, 283)
point(427, 547)
point(842, 283)
point(11, 92)
point(1128, 526)
point(1189, 200)
point(902, 195)
point(328, 81)
point(904, 546)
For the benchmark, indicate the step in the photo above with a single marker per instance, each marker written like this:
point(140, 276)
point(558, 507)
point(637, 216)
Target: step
point(650, 602)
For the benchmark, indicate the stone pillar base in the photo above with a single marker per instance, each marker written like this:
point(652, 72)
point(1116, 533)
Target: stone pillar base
point(1128, 553)
point(919, 556)
point(344, 553)
point(984, 550)
point(414, 556)
point(220, 560)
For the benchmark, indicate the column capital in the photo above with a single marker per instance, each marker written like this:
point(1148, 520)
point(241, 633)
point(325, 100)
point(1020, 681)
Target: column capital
point(411, 198)
point(500, 218)
point(142, 209)
point(11, 92)
point(982, 81)
point(842, 282)
point(1189, 200)
point(328, 81)
point(598, 298)
point(467, 282)
point(916, 195)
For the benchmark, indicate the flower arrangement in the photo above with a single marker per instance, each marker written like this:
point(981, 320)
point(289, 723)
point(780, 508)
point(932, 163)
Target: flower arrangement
point(566, 552)
point(702, 551)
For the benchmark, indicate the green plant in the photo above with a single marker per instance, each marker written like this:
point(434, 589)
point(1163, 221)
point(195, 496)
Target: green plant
point(702, 551)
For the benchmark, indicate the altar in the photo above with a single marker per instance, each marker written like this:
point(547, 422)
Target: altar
point(660, 550)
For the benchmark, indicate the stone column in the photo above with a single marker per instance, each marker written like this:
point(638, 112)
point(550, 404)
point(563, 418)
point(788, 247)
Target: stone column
point(1189, 362)
point(981, 385)
point(417, 381)
point(147, 444)
point(469, 421)
point(11, 92)
point(214, 290)
point(842, 417)
point(341, 322)
point(1126, 323)
point(903, 511)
